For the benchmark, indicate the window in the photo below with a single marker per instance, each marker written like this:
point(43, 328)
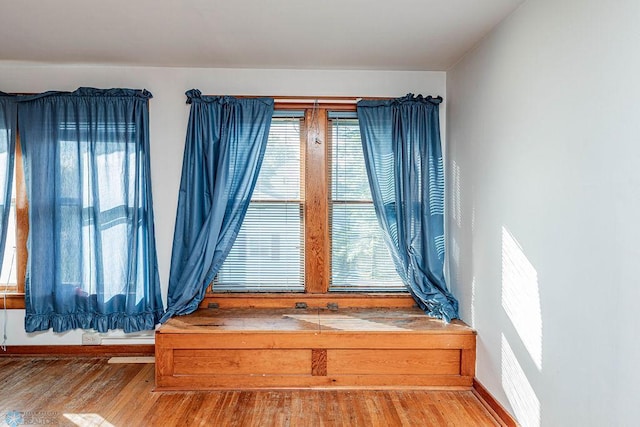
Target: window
point(311, 225)
point(14, 263)
point(9, 274)
point(268, 253)
point(360, 260)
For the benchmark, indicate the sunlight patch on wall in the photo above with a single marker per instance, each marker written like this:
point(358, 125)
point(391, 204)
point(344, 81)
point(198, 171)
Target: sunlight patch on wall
point(522, 397)
point(521, 296)
point(86, 420)
point(473, 302)
point(456, 202)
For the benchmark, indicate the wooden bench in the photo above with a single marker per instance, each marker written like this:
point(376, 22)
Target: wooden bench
point(373, 348)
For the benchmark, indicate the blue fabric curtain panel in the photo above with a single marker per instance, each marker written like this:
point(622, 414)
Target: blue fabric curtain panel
point(8, 126)
point(225, 144)
point(403, 157)
point(92, 256)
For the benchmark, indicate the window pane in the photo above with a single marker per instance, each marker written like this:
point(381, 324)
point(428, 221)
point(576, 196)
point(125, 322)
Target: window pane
point(348, 173)
point(360, 260)
point(9, 273)
point(268, 253)
point(359, 257)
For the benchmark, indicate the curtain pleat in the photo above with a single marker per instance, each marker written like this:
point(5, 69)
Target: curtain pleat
point(8, 126)
point(92, 254)
point(225, 145)
point(403, 156)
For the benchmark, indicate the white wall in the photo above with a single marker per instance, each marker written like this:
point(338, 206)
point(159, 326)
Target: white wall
point(168, 120)
point(544, 209)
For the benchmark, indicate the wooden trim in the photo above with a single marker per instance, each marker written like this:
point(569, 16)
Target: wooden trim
point(468, 362)
point(333, 103)
point(80, 350)
point(331, 382)
point(492, 405)
point(22, 219)
point(309, 105)
point(289, 300)
point(14, 300)
point(316, 206)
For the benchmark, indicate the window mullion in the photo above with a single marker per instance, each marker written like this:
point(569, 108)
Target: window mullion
point(316, 203)
point(22, 218)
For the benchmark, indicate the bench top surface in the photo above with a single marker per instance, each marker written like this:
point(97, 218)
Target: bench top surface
point(363, 320)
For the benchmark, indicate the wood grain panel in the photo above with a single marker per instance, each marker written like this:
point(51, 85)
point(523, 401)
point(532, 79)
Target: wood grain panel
point(316, 205)
point(344, 300)
point(372, 382)
point(398, 362)
point(242, 362)
point(345, 340)
point(468, 362)
point(318, 362)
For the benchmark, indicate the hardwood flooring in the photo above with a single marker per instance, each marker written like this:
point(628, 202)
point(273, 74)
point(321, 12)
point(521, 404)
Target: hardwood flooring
point(92, 392)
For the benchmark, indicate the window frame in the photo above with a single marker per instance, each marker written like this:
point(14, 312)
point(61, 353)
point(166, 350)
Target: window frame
point(14, 299)
point(316, 211)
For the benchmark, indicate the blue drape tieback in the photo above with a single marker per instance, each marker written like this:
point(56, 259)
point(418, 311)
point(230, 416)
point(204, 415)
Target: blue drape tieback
point(100, 322)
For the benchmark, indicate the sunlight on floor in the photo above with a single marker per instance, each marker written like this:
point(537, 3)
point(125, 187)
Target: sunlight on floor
point(522, 397)
point(521, 296)
point(88, 420)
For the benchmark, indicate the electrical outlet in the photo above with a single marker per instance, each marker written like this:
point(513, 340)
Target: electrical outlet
point(91, 338)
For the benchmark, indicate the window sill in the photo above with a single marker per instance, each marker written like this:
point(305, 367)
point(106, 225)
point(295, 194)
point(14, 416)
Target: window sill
point(288, 300)
point(14, 300)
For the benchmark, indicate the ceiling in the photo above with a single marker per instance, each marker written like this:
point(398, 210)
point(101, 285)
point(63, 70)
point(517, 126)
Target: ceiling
point(306, 34)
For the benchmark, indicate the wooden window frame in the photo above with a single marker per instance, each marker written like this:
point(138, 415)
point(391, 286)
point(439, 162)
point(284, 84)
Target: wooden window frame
point(15, 299)
point(317, 239)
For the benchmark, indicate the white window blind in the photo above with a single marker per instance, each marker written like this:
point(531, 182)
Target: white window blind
point(9, 270)
point(268, 254)
point(360, 260)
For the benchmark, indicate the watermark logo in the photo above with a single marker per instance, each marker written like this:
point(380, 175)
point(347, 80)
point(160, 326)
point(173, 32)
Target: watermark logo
point(16, 418)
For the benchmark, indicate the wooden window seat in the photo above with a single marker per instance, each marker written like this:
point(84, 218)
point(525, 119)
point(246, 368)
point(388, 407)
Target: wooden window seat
point(278, 348)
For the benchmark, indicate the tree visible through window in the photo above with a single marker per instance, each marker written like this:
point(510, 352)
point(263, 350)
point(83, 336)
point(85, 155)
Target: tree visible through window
point(360, 260)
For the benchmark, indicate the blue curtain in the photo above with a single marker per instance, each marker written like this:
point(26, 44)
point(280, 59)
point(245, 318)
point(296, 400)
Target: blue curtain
point(8, 126)
point(92, 256)
point(403, 156)
point(226, 140)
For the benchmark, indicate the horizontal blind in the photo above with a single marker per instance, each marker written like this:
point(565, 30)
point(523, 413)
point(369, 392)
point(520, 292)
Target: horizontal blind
point(360, 260)
point(9, 268)
point(267, 255)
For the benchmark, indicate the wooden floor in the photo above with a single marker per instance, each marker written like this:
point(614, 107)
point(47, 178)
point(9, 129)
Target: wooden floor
point(90, 392)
